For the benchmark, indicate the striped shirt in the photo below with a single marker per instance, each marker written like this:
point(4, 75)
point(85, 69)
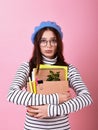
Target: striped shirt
point(57, 113)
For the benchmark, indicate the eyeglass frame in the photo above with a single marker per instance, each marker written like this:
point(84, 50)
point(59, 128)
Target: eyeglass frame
point(43, 42)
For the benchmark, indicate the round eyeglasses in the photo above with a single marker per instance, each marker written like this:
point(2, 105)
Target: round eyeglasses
point(44, 42)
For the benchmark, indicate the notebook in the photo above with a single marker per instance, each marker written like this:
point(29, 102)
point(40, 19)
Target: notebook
point(50, 79)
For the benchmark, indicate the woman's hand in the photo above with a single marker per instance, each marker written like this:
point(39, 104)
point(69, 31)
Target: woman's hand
point(38, 111)
point(42, 111)
point(64, 97)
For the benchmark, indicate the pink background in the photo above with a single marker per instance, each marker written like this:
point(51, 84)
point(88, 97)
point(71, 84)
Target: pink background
point(78, 19)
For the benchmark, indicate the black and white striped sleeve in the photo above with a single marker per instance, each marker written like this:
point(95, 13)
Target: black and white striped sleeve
point(81, 100)
point(20, 96)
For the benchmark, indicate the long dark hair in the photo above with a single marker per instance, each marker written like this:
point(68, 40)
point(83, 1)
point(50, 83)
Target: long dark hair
point(36, 58)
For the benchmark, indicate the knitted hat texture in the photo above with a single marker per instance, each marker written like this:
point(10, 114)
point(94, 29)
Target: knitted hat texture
point(46, 24)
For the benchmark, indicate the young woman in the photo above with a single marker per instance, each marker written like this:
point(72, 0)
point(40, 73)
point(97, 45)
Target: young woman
point(48, 112)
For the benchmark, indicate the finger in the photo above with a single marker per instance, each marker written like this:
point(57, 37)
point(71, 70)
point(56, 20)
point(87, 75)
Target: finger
point(33, 111)
point(34, 107)
point(68, 94)
point(30, 114)
point(69, 97)
point(68, 91)
point(40, 116)
point(29, 107)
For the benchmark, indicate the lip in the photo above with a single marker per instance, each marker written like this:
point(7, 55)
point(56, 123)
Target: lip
point(48, 51)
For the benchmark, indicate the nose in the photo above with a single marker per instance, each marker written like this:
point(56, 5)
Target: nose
point(48, 44)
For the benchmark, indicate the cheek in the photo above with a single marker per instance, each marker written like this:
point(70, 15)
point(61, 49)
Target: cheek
point(55, 49)
point(41, 50)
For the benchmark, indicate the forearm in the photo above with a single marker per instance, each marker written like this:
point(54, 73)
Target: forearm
point(70, 106)
point(17, 95)
point(25, 98)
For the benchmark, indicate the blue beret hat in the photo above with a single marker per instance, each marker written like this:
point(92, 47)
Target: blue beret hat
point(46, 24)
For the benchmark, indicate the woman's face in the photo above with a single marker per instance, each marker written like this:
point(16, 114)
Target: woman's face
point(48, 44)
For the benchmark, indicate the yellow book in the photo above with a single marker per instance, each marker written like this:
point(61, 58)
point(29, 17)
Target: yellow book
point(63, 69)
point(49, 87)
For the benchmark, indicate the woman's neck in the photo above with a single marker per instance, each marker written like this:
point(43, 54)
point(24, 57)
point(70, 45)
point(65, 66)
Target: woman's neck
point(49, 61)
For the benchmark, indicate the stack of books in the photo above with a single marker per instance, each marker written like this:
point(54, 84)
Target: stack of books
point(50, 79)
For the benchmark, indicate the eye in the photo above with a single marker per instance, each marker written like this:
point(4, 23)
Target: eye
point(54, 41)
point(43, 41)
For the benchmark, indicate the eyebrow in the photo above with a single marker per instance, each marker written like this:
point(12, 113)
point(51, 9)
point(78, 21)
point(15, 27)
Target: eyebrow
point(50, 38)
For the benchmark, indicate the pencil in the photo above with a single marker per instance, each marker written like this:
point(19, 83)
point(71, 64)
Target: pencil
point(34, 87)
point(34, 82)
point(30, 84)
